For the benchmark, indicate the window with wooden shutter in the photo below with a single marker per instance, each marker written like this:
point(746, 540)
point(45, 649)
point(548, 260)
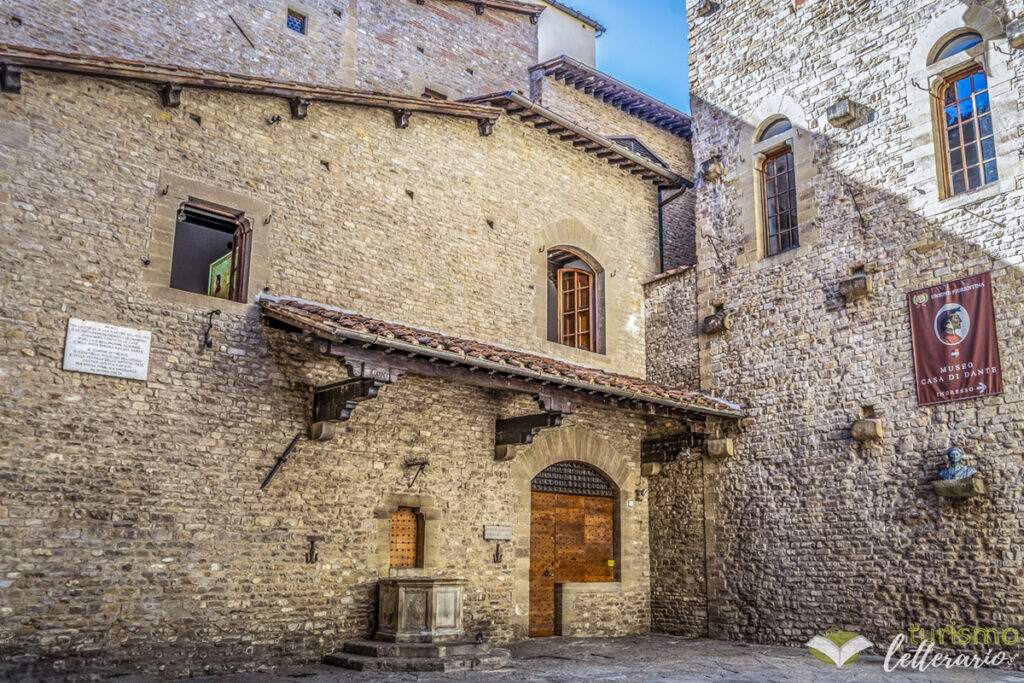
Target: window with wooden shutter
point(406, 539)
point(576, 310)
point(574, 300)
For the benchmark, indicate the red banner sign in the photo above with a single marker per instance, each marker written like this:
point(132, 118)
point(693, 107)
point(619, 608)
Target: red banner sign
point(953, 331)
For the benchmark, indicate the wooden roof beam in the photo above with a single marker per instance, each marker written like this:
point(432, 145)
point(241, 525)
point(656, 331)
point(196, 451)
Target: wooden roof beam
point(15, 58)
point(588, 141)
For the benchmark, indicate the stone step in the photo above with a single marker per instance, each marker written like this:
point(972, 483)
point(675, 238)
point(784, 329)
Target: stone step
point(376, 648)
point(493, 659)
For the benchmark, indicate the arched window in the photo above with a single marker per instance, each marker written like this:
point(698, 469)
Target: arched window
point(778, 188)
point(966, 136)
point(574, 301)
point(961, 42)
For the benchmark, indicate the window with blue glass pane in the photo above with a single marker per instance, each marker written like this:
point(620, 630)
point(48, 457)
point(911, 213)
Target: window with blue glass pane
point(970, 149)
point(297, 21)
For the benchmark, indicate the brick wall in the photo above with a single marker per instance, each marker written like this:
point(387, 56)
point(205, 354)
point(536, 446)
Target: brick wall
point(135, 535)
point(810, 529)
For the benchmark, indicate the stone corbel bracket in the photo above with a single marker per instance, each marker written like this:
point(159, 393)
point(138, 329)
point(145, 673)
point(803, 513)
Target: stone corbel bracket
point(10, 78)
point(712, 169)
point(959, 489)
point(866, 430)
point(842, 112)
point(720, 448)
point(706, 7)
point(1015, 34)
point(856, 287)
point(511, 434)
point(716, 323)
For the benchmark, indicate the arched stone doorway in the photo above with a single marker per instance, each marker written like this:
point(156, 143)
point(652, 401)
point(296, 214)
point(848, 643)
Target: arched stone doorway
point(572, 537)
point(622, 469)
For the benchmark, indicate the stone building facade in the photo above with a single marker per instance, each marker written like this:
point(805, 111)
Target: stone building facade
point(805, 528)
point(135, 535)
point(403, 191)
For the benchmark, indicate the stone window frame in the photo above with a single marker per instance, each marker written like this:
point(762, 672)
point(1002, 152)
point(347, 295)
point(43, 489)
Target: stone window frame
point(572, 233)
point(426, 506)
point(750, 186)
point(173, 191)
point(299, 7)
point(924, 133)
point(767, 150)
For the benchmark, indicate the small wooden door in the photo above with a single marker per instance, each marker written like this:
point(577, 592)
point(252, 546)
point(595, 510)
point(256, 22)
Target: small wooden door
point(571, 540)
point(406, 539)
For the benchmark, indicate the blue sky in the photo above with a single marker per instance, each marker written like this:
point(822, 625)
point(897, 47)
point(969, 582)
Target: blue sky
point(645, 45)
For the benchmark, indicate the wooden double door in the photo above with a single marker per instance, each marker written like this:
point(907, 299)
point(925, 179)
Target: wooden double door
point(571, 540)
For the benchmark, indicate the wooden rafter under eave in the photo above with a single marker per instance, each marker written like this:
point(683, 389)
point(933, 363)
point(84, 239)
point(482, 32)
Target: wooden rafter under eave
point(384, 356)
point(525, 110)
point(178, 77)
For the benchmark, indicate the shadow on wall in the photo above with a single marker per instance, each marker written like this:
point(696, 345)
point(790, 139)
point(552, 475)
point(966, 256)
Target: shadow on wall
point(812, 529)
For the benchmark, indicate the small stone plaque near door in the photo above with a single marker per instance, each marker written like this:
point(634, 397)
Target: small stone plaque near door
point(497, 533)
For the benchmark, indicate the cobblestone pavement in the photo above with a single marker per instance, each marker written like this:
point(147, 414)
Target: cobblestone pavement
point(643, 658)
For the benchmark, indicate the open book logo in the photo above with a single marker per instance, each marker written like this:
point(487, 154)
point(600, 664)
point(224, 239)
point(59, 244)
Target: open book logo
point(838, 647)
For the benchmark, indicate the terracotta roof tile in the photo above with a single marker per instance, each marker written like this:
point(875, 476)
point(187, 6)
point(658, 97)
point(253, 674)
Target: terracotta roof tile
point(331, 323)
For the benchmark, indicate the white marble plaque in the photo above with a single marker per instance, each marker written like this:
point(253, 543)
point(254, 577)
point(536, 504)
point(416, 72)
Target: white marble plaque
point(101, 349)
point(497, 533)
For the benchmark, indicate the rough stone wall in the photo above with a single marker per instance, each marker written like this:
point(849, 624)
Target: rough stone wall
point(594, 611)
point(385, 231)
point(133, 533)
point(812, 530)
point(604, 119)
point(678, 578)
point(367, 44)
point(443, 46)
point(670, 312)
point(198, 33)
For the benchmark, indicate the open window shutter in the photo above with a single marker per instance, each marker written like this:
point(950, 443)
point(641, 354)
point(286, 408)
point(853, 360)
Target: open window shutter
point(239, 265)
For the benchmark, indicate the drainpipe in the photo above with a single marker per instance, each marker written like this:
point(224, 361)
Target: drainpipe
point(661, 235)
